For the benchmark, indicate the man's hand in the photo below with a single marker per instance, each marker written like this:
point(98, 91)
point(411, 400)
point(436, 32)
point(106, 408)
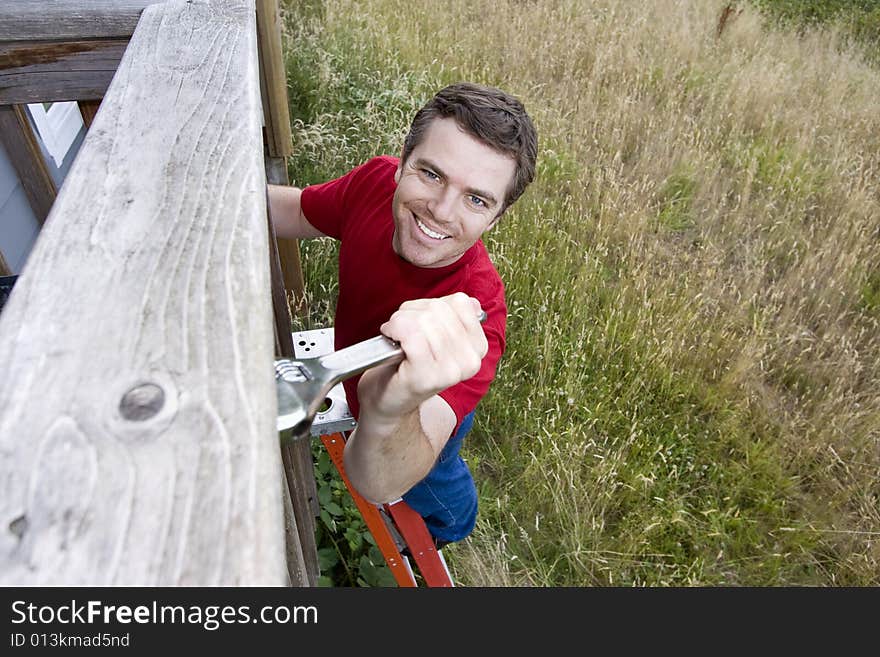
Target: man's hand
point(403, 424)
point(444, 344)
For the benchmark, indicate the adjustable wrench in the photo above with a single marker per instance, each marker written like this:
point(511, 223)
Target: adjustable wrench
point(303, 384)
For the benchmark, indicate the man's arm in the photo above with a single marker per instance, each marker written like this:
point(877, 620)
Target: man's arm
point(287, 215)
point(404, 424)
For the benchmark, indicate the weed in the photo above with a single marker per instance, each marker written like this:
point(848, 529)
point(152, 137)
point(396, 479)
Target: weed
point(689, 391)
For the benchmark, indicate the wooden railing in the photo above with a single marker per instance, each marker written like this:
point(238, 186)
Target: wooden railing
point(137, 400)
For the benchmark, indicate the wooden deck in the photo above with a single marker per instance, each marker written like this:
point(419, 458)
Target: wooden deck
point(137, 400)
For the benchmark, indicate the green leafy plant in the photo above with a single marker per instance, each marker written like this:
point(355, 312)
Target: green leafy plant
point(347, 552)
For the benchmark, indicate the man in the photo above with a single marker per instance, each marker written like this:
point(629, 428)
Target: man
point(412, 266)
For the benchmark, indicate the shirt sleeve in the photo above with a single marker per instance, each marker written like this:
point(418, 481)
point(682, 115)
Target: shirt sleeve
point(323, 205)
point(326, 205)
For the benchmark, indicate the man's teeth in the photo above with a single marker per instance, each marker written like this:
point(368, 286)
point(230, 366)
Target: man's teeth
point(430, 233)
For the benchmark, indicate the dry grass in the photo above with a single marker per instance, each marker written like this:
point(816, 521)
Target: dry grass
point(690, 393)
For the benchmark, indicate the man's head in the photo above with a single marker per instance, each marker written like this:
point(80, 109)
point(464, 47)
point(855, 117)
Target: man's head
point(491, 116)
point(470, 153)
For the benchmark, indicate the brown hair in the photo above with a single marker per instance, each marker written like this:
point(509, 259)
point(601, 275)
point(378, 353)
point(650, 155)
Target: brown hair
point(490, 115)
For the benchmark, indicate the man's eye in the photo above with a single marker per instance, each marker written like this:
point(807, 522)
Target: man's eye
point(477, 201)
point(430, 175)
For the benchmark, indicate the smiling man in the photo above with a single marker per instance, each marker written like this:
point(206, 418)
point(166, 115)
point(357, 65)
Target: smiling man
point(413, 267)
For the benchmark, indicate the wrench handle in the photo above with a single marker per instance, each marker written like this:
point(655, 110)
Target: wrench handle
point(362, 356)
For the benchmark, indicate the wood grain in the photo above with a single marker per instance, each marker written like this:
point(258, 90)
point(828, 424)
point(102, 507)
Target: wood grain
point(299, 490)
point(89, 109)
point(24, 20)
point(41, 72)
point(26, 157)
point(137, 402)
point(273, 79)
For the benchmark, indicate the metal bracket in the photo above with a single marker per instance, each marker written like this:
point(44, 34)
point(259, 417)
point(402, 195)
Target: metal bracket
point(334, 415)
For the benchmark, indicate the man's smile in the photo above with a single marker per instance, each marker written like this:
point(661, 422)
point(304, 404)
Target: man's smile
point(447, 195)
point(427, 231)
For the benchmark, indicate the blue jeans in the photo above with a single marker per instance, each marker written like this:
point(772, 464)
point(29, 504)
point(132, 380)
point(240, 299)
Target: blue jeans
point(447, 497)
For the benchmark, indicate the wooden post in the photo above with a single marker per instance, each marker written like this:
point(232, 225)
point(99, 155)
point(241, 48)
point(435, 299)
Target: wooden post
point(24, 153)
point(276, 113)
point(88, 109)
point(288, 250)
point(299, 490)
point(286, 276)
point(138, 434)
point(273, 79)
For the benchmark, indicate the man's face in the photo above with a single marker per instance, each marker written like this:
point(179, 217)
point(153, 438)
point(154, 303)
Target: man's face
point(449, 192)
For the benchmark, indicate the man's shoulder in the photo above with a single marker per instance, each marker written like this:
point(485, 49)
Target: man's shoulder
point(484, 266)
point(379, 165)
point(385, 161)
point(374, 179)
point(483, 279)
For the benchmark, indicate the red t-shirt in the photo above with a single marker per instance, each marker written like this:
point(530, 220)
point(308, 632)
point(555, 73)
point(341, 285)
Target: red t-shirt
point(374, 280)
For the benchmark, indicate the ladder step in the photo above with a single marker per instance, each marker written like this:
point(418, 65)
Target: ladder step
point(404, 521)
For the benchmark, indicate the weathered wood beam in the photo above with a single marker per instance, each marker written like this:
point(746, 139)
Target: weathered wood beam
point(276, 115)
point(37, 20)
point(27, 159)
point(299, 490)
point(288, 250)
point(273, 78)
point(89, 109)
point(50, 71)
point(137, 403)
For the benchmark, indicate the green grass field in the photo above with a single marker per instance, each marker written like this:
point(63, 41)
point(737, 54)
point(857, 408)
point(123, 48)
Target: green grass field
point(691, 389)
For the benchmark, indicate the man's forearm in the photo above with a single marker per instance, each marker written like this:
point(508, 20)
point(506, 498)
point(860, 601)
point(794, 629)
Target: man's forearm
point(385, 457)
point(404, 423)
point(287, 216)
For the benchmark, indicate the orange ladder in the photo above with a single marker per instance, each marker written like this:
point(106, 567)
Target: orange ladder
point(390, 524)
point(408, 524)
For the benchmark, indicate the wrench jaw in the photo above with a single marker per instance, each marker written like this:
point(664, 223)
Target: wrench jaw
point(291, 410)
point(300, 395)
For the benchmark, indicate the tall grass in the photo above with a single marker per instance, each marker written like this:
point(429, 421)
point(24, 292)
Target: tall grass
point(691, 389)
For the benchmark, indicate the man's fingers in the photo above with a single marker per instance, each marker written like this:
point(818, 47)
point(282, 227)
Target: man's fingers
point(432, 331)
point(469, 311)
point(464, 304)
point(442, 338)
